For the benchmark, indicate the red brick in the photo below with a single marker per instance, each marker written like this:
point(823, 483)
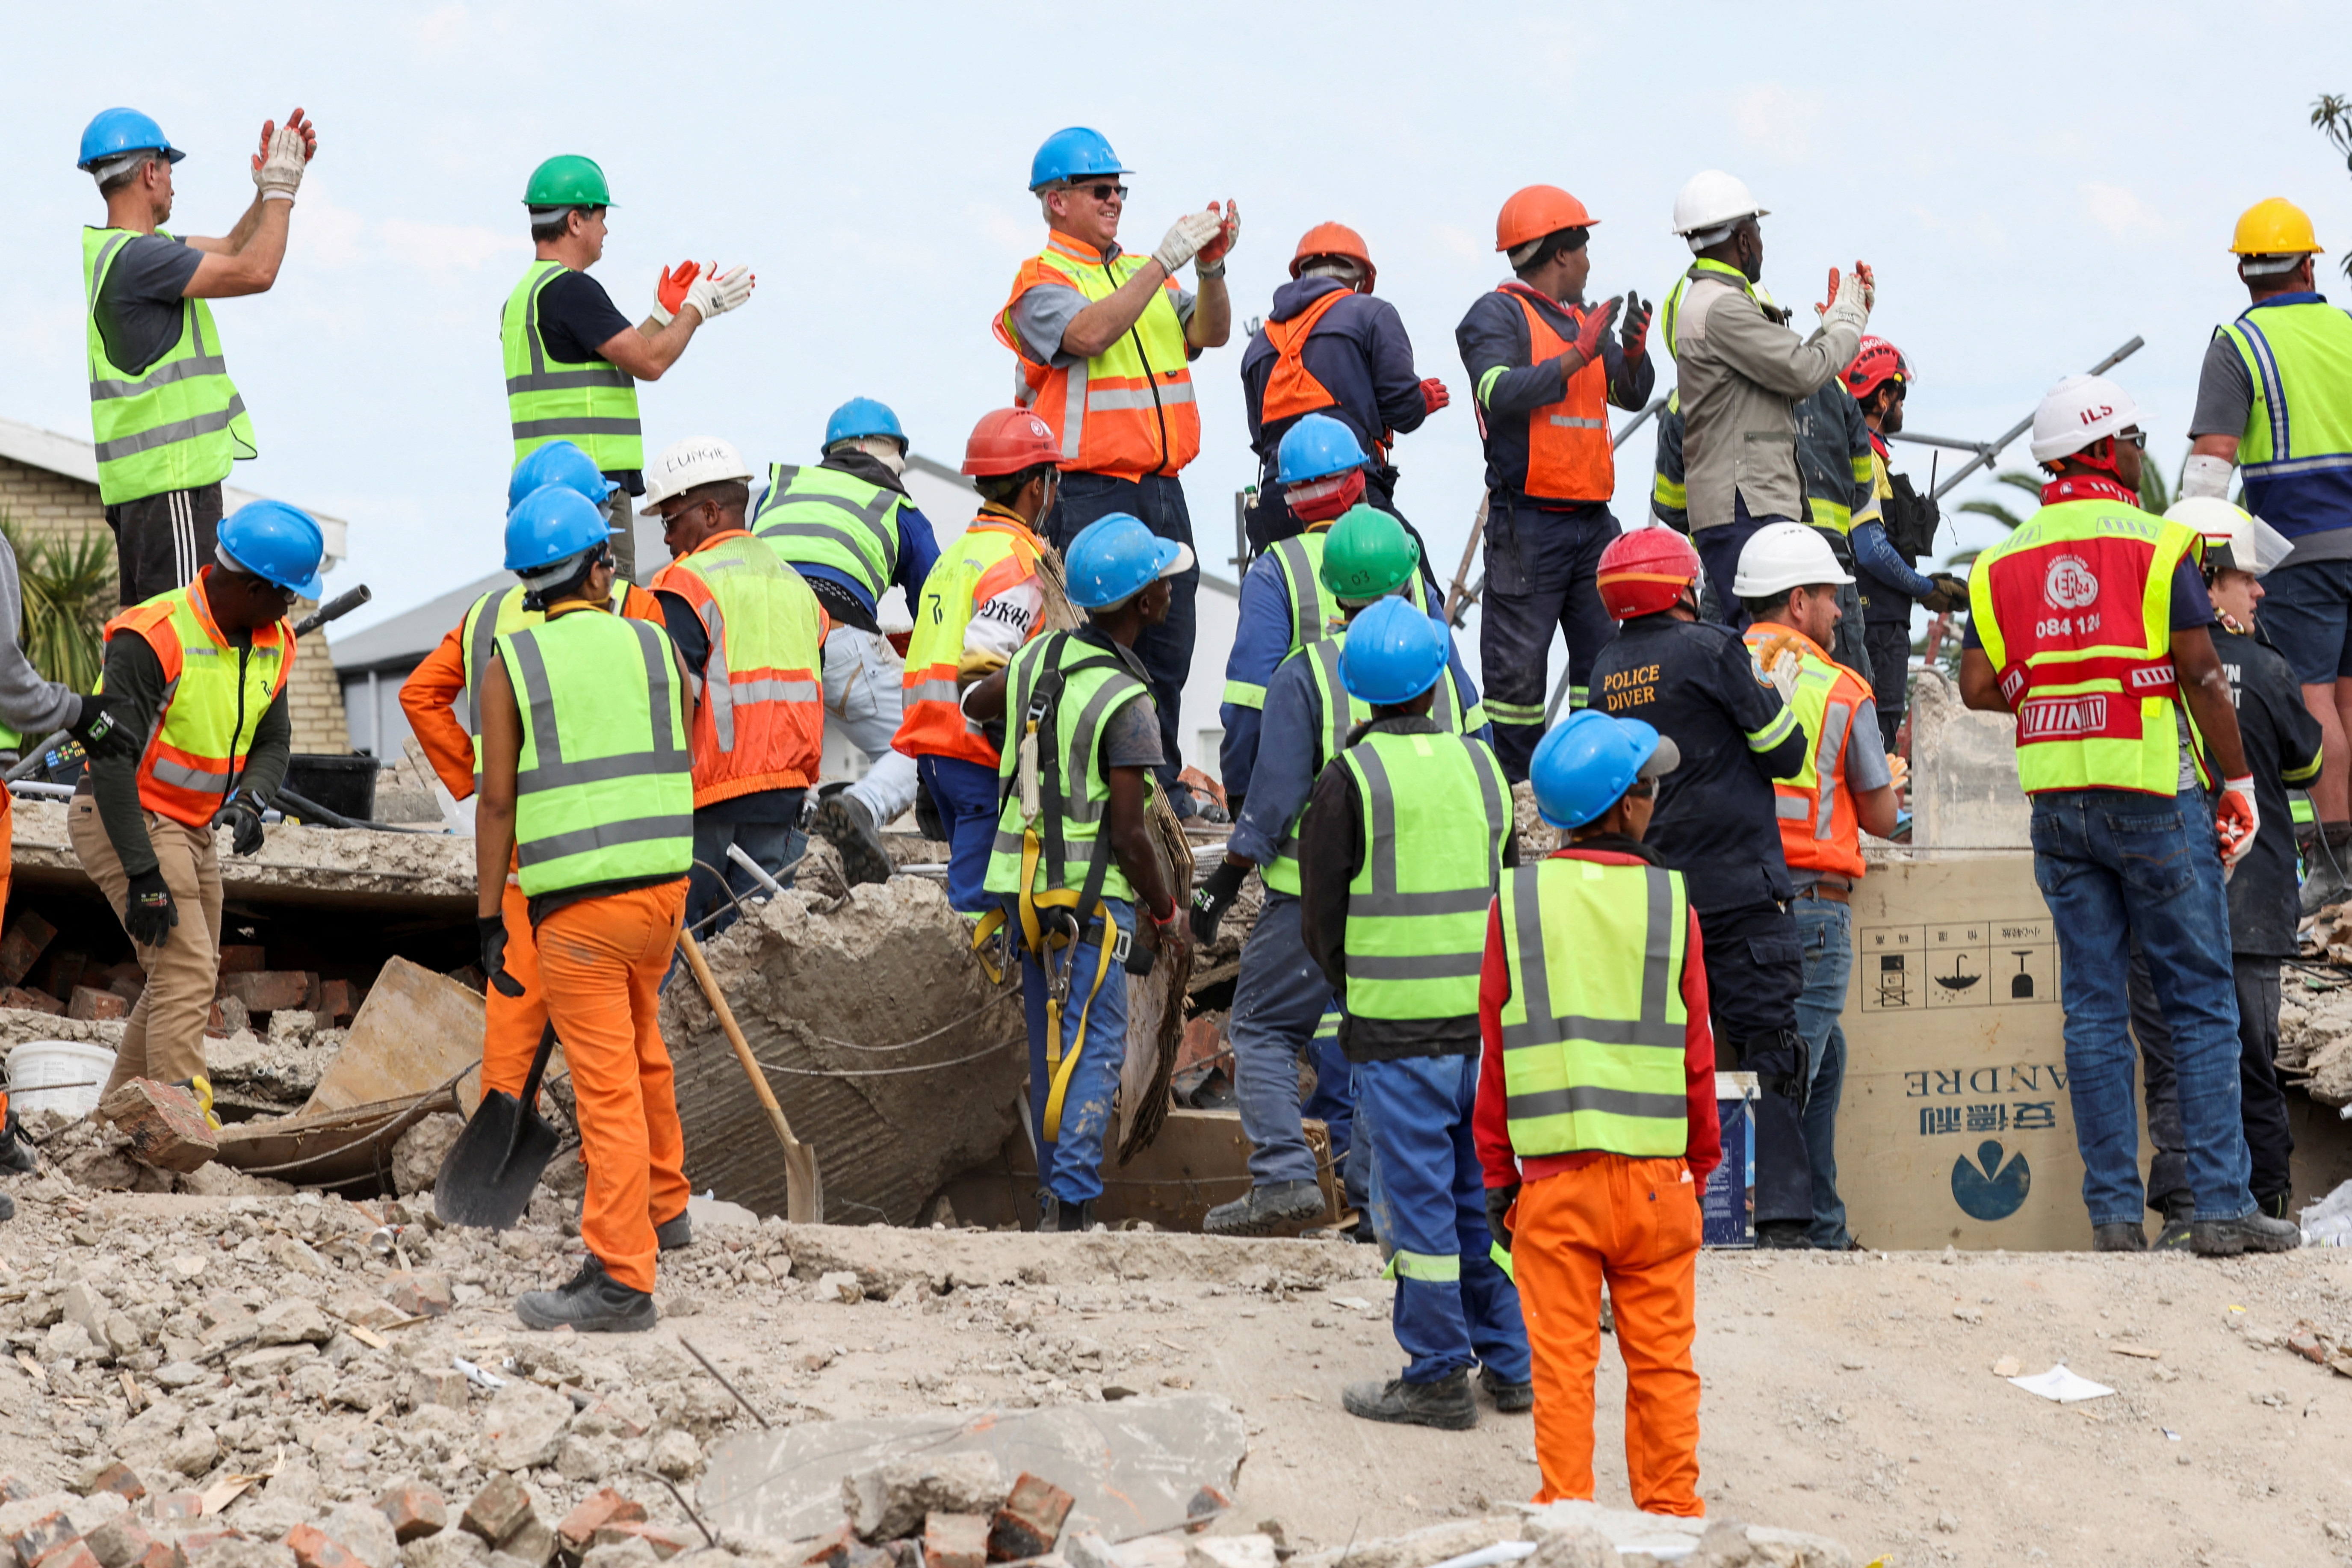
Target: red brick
point(93, 1006)
point(33, 1001)
point(314, 1548)
point(597, 1510)
point(22, 946)
point(42, 1536)
point(117, 1477)
point(415, 1511)
point(74, 1553)
point(130, 990)
point(159, 1554)
point(495, 1512)
point(166, 1129)
point(335, 1001)
point(241, 958)
point(665, 1543)
point(195, 1543)
point(61, 971)
point(1029, 1522)
point(956, 1540)
point(267, 990)
point(831, 1550)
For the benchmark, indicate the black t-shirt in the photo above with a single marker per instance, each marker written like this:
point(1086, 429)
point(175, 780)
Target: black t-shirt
point(575, 316)
point(139, 307)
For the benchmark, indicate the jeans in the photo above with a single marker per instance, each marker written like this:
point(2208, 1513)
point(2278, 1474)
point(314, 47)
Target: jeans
point(966, 795)
point(1279, 1001)
point(1825, 931)
point(1166, 650)
point(1069, 1159)
point(1540, 567)
point(2114, 866)
point(775, 846)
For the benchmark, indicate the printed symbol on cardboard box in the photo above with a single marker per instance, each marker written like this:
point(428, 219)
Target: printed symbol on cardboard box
point(1987, 1189)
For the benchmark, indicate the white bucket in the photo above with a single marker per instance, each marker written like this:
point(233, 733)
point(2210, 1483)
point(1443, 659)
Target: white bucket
point(40, 1062)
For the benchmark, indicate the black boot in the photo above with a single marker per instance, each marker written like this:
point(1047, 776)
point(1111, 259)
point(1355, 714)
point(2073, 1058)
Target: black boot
point(2255, 1232)
point(2172, 1231)
point(1259, 1210)
point(1783, 1236)
point(1061, 1215)
point(1445, 1404)
point(1510, 1398)
point(15, 1153)
point(2122, 1237)
point(592, 1302)
point(676, 1232)
point(843, 822)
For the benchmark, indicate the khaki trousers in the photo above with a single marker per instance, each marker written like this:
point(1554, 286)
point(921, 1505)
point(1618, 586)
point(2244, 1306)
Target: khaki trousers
point(164, 1039)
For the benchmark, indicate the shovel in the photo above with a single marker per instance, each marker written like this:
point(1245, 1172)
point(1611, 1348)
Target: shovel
point(489, 1172)
point(804, 1189)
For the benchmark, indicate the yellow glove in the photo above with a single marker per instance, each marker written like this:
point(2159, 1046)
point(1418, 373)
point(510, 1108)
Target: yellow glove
point(977, 665)
point(1778, 659)
point(1899, 768)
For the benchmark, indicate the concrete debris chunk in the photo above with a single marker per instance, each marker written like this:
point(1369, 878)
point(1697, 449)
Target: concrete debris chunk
point(362, 1531)
point(1254, 1550)
point(449, 1549)
point(416, 1158)
point(524, 1426)
point(119, 1542)
point(290, 1322)
point(890, 1500)
point(166, 1129)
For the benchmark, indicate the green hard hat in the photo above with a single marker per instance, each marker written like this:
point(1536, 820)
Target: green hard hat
point(1368, 555)
point(567, 180)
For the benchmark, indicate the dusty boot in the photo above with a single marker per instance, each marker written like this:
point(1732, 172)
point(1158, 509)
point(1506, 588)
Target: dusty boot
point(1262, 1208)
point(2172, 1231)
point(2326, 884)
point(1061, 1215)
point(15, 1153)
point(592, 1302)
point(2274, 1205)
point(2127, 1236)
point(1510, 1398)
point(843, 822)
point(2255, 1232)
point(1784, 1236)
point(1445, 1404)
point(676, 1232)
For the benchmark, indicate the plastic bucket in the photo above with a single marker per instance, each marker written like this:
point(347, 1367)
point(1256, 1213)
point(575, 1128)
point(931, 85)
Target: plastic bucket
point(36, 1063)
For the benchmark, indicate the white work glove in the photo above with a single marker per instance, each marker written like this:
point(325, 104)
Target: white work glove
point(2236, 818)
point(279, 175)
point(1851, 298)
point(1185, 236)
point(715, 293)
point(1777, 662)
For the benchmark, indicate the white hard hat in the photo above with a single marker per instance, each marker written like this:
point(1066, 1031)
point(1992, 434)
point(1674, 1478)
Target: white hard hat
point(2234, 538)
point(1709, 201)
point(1783, 555)
point(696, 460)
point(2078, 411)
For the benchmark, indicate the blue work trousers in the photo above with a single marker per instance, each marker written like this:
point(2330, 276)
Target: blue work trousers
point(1825, 934)
point(774, 847)
point(2115, 866)
point(1279, 1000)
point(1541, 572)
point(966, 795)
point(1070, 1154)
point(1454, 1305)
point(1165, 649)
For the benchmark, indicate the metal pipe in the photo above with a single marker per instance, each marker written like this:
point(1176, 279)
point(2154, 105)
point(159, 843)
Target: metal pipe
point(1982, 448)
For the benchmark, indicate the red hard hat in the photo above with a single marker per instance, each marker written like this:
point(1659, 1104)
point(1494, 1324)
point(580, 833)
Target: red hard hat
point(1874, 362)
point(1007, 440)
point(1644, 571)
point(1335, 239)
point(1537, 211)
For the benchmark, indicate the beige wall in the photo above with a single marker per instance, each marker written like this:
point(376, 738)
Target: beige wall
point(45, 504)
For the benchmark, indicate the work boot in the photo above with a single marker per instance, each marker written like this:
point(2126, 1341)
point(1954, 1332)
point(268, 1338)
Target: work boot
point(7, 1208)
point(2326, 884)
point(592, 1302)
point(2274, 1205)
point(1510, 1398)
point(1445, 1404)
point(2125, 1236)
point(2255, 1232)
point(2172, 1230)
point(1061, 1215)
point(676, 1232)
point(1784, 1236)
point(843, 822)
point(16, 1153)
point(1262, 1208)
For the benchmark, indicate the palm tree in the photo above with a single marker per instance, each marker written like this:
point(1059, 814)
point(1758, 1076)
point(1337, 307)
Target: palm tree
point(69, 591)
point(2332, 117)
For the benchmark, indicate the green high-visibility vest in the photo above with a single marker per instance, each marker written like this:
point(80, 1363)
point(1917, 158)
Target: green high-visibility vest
point(1097, 683)
point(1593, 1033)
point(177, 425)
point(1435, 810)
point(1312, 610)
point(2295, 455)
point(491, 617)
point(605, 786)
point(592, 404)
point(823, 517)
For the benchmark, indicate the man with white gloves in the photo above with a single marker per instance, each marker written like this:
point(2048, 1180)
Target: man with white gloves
point(572, 362)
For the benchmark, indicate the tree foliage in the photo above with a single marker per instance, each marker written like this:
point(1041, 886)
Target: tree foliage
point(70, 591)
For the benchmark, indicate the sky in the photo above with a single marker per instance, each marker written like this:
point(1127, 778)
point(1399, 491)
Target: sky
point(2033, 185)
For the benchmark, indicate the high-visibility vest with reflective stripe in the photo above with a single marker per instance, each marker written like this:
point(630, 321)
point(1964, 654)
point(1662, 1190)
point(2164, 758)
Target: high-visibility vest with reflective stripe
point(2296, 453)
point(823, 517)
point(1089, 697)
point(1337, 715)
point(992, 555)
point(1592, 1033)
point(759, 724)
point(1312, 611)
point(2076, 611)
point(1129, 411)
point(1569, 457)
point(500, 611)
point(604, 785)
point(1818, 829)
point(174, 427)
point(1435, 810)
point(214, 694)
point(592, 404)
point(1291, 389)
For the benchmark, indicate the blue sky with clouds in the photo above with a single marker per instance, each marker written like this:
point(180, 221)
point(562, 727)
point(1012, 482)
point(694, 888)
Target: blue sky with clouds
point(2033, 184)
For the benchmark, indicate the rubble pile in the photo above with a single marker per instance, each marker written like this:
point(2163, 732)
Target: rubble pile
point(2314, 1048)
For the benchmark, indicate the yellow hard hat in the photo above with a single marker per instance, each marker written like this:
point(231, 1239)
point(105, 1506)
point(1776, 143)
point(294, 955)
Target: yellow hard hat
point(2275, 227)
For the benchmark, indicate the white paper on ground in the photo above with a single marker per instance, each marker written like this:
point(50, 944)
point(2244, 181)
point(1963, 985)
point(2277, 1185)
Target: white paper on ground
point(2062, 1385)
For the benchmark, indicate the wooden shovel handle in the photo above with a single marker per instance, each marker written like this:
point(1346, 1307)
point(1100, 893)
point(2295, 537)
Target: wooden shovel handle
point(710, 992)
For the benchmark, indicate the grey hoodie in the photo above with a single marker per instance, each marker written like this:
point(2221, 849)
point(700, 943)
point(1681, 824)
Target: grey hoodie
point(27, 703)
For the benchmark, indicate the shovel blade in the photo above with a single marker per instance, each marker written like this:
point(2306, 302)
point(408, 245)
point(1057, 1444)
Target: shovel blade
point(804, 1188)
point(491, 1172)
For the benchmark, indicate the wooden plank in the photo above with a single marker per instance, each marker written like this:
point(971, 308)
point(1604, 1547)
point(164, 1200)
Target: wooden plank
point(415, 1030)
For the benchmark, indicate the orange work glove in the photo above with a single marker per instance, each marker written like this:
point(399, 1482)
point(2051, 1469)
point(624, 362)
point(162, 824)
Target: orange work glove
point(2235, 818)
point(1591, 327)
point(670, 293)
point(1213, 254)
point(1434, 396)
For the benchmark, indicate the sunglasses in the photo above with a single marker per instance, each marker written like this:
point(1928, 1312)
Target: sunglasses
point(2134, 438)
point(1104, 192)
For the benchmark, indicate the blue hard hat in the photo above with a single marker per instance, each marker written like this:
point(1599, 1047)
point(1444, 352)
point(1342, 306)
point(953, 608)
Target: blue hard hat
point(1316, 446)
point(863, 416)
point(1076, 153)
point(1392, 654)
point(1115, 557)
point(113, 132)
point(552, 523)
point(276, 543)
point(1590, 760)
point(558, 463)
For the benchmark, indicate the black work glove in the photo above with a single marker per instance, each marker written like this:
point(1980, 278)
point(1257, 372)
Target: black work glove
point(148, 912)
point(1633, 329)
point(1951, 593)
point(100, 735)
point(493, 930)
point(1498, 1203)
point(241, 817)
point(1212, 897)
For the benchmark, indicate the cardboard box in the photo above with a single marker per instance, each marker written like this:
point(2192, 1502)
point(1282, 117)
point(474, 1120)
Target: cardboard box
point(1727, 1208)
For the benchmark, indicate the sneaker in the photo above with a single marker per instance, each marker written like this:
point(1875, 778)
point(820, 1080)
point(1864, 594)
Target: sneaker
point(1784, 1236)
point(843, 822)
point(592, 1302)
point(676, 1232)
point(1510, 1398)
point(1264, 1207)
point(2125, 1236)
point(2255, 1232)
point(1061, 1215)
point(2326, 884)
point(1445, 1404)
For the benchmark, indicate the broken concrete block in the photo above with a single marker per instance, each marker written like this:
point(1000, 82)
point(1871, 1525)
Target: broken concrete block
point(1029, 1522)
point(32, 1001)
point(22, 946)
point(90, 1005)
point(524, 1426)
point(626, 1552)
point(496, 1510)
point(418, 1293)
point(416, 1158)
point(660, 1539)
point(890, 1500)
point(959, 1540)
point(266, 990)
point(530, 1543)
point(166, 1129)
point(676, 1454)
point(841, 1287)
point(194, 1451)
point(363, 1532)
point(291, 1320)
point(120, 1543)
point(597, 1510)
point(415, 1511)
point(1252, 1551)
point(449, 1549)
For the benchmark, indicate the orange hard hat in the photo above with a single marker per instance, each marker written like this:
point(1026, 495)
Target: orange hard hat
point(1335, 239)
point(1536, 211)
point(1007, 440)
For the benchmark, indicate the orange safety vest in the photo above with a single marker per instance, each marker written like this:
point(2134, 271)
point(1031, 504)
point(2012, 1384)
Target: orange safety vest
point(992, 556)
point(214, 694)
point(1819, 828)
point(1569, 457)
point(1129, 411)
point(759, 721)
point(1291, 389)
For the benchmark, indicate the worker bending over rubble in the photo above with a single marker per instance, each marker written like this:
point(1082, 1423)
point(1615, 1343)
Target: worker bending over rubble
point(587, 788)
point(1074, 853)
point(201, 672)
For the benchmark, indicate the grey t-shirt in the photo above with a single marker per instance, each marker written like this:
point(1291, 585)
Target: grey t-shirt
point(1131, 735)
point(140, 307)
point(1041, 316)
point(1865, 770)
point(2225, 400)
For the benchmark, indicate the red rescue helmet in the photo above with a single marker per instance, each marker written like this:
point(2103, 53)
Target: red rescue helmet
point(1534, 212)
point(1007, 440)
point(1335, 239)
point(1644, 571)
point(1873, 363)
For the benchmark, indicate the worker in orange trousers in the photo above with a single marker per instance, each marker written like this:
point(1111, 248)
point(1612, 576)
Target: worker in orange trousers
point(1594, 1140)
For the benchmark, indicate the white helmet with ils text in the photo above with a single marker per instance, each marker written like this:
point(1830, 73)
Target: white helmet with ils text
point(1783, 555)
point(1709, 202)
point(683, 465)
point(2078, 411)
